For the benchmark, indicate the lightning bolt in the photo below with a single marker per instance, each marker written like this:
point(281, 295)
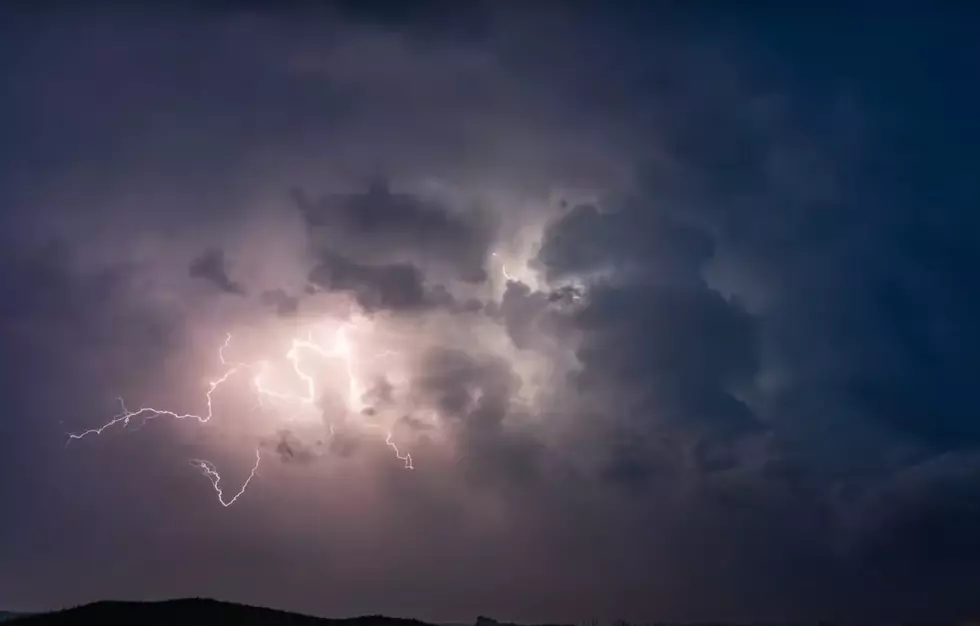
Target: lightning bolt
point(148, 413)
point(341, 349)
point(503, 268)
point(407, 458)
point(209, 470)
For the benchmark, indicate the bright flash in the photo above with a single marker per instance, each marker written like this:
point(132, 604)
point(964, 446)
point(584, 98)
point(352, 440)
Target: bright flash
point(259, 376)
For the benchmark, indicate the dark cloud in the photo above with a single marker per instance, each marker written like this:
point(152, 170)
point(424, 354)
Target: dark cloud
point(397, 286)
point(211, 267)
point(535, 319)
point(845, 243)
point(380, 393)
point(384, 225)
point(415, 424)
point(284, 303)
point(521, 310)
point(473, 396)
point(667, 349)
point(380, 245)
point(850, 253)
point(470, 391)
point(291, 449)
point(926, 515)
point(627, 240)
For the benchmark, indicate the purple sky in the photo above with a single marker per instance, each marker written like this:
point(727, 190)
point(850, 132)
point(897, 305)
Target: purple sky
point(674, 310)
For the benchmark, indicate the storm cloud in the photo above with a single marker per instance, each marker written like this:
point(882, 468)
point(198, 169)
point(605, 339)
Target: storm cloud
point(673, 312)
point(210, 266)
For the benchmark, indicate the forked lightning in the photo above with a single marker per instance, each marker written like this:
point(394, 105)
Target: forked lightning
point(259, 371)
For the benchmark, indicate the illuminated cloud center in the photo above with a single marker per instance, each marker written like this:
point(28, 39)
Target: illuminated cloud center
point(285, 386)
point(342, 375)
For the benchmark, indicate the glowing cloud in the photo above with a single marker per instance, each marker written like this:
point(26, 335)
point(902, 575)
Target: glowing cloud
point(268, 395)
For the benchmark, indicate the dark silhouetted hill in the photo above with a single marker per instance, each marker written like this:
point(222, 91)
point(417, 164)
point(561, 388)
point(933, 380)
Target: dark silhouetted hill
point(489, 621)
point(192, 612)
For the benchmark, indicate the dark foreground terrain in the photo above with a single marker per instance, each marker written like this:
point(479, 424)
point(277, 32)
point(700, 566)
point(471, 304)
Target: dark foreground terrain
point(205, 612)
point(191, 612)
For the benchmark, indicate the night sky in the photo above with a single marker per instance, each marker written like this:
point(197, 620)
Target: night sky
point(674, 308)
